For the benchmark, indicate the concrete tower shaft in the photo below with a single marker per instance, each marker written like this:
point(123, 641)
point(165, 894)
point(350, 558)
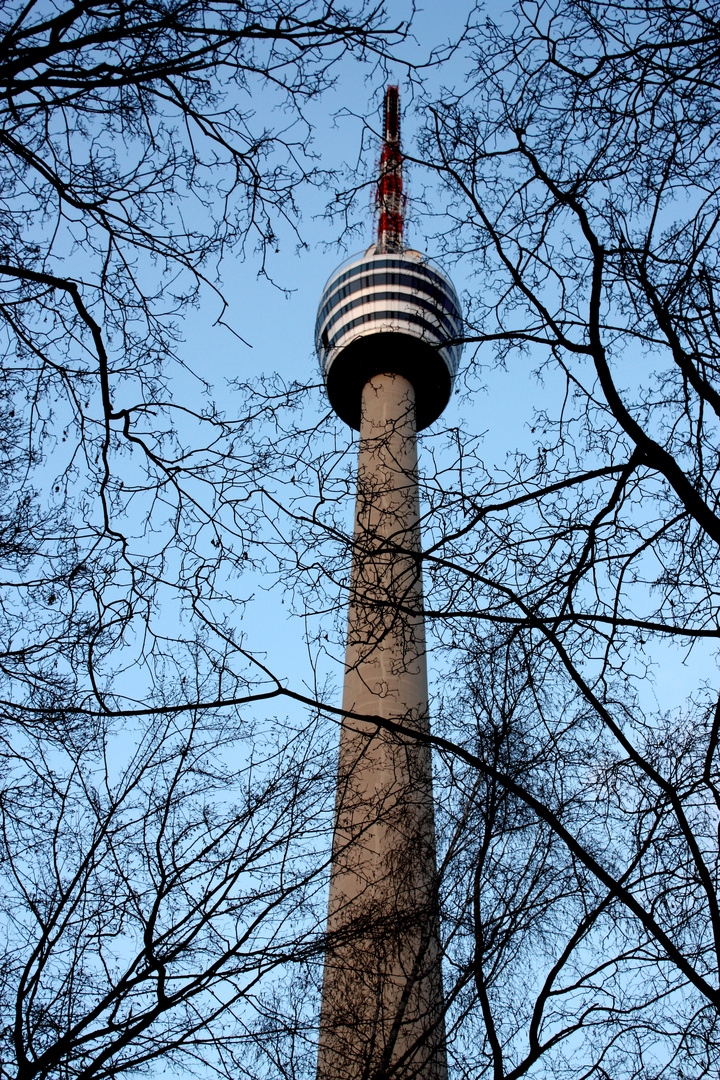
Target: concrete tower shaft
point(382, 993)
point(387, 336)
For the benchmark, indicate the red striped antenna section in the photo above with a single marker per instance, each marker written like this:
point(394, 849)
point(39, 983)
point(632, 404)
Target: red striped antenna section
point(390, 199)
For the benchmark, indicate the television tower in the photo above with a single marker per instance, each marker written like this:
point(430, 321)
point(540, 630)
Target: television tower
point(387, 335)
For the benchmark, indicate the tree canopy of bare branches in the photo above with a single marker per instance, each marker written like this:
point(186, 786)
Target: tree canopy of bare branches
point(163, 889)
point(580, 167)
point(159, 859)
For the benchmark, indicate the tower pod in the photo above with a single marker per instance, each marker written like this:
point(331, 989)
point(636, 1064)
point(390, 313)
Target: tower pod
point(394, 313)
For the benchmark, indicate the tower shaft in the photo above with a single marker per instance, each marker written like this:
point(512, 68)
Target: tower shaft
point(382, 990)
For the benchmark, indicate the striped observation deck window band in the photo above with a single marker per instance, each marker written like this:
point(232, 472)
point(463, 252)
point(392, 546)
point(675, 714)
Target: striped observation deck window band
point(442, 297)
point(386, 264)
point(394, 317)
point(453, 329)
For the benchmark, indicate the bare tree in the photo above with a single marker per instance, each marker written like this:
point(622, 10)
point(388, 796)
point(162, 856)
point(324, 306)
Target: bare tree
point(153, 906)
point(130, 164)
point(162, 848)
point(581, 172)
point(154, 909)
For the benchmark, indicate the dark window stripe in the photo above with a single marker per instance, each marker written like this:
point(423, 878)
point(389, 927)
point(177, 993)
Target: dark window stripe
point(442, 297)
point(452, 328)
point(387, 264)
point(393, 316)
point(410, 268)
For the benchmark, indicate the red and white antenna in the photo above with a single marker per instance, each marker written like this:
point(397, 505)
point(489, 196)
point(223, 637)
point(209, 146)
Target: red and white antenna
point(390, 200)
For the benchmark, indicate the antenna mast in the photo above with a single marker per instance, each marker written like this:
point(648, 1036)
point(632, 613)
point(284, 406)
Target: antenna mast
point(390, 199)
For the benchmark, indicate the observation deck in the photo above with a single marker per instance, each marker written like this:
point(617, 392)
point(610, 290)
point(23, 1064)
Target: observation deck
point(389, 312)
